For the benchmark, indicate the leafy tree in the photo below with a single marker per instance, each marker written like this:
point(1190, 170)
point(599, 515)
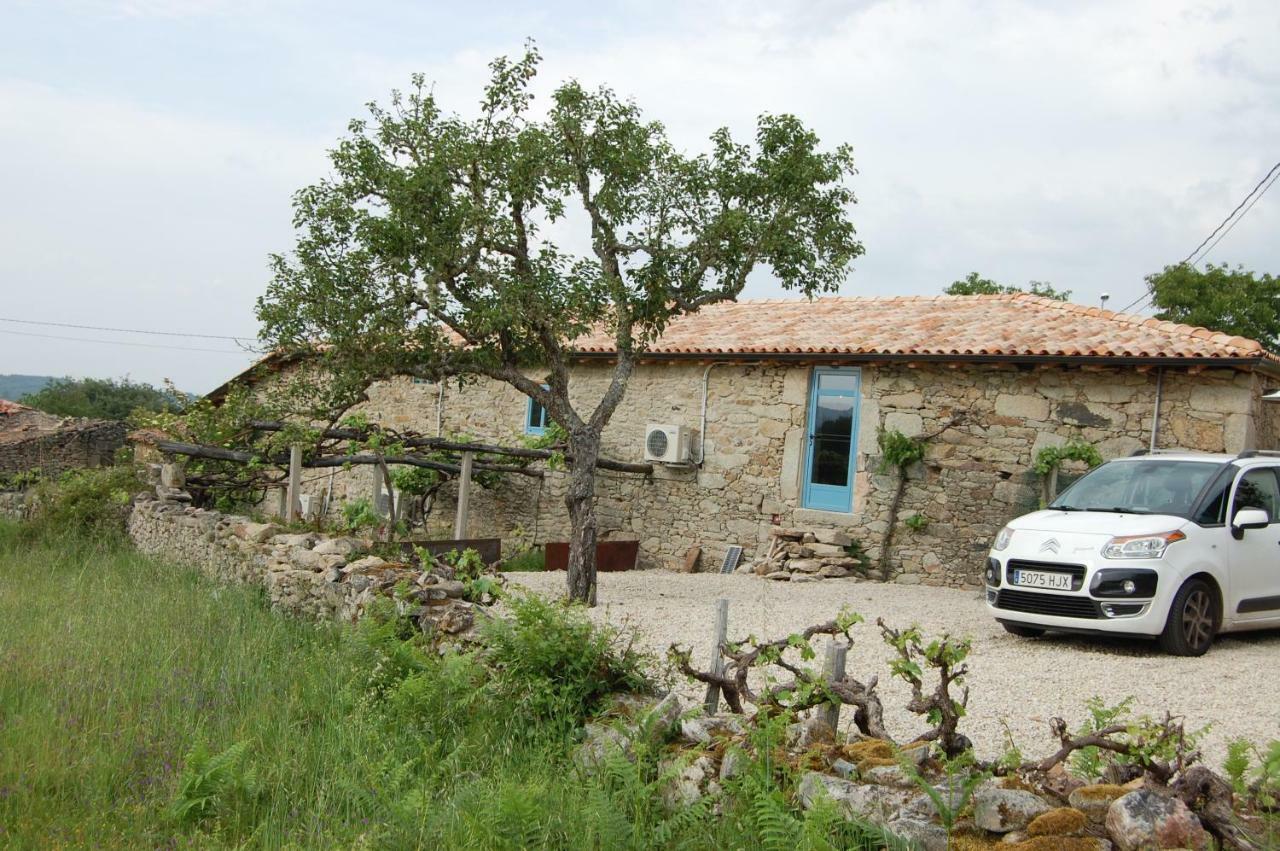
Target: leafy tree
point(439, 246)
point(973, 284)
point(105, 399)
point(1232, 301)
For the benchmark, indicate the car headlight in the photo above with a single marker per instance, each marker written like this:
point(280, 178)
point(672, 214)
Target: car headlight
point(1141, 546)
point(1002, 538)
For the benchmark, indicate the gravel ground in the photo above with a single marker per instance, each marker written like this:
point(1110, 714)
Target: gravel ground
point(1020, 683)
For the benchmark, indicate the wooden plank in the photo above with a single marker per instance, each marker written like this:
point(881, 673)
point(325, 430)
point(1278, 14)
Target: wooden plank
point(464, 496)
point(837, 654)
point(719, 634)
point(292, 504)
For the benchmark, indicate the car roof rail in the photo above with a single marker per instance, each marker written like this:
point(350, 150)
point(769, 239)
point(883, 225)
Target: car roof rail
point(1259, 453)
point(1139, 452)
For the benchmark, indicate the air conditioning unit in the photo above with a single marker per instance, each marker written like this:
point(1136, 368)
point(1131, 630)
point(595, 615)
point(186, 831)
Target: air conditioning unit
point(667, 444)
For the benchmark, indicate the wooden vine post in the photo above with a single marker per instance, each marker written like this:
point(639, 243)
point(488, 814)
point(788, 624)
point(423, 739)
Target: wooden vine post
point(837, 656)
point(292, 502)
point(719, 635)
point(464, 497)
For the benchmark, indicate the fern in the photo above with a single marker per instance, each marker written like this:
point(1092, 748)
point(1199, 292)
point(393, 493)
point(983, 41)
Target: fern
point(778, 829)
point(213, 784)
point(1236, 764)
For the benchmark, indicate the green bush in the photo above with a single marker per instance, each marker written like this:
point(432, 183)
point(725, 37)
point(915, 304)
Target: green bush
point(92, 504)
point(554, 666)
point(358, 515)
point(897, 451)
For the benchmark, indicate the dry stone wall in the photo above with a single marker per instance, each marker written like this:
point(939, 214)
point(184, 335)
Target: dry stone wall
point(306, 574)
point(975, 477)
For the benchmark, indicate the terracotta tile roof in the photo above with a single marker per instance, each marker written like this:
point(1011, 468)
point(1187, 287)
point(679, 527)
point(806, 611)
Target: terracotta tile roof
point(1004, 325)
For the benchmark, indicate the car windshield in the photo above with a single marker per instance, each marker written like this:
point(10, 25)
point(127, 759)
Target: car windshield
point(1139, 487)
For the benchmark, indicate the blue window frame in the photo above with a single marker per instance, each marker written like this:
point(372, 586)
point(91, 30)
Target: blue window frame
point(535, 417)
point(831, 445)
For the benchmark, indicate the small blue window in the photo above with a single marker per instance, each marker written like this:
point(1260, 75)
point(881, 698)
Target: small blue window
point(831, 445)
point(535, 417)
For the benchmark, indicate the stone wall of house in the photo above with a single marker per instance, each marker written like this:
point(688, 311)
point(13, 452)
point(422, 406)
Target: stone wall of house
point(74, 445)
point(975, 477)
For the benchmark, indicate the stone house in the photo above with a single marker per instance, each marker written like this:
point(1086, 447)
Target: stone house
point(784, 399)
point(33, 440)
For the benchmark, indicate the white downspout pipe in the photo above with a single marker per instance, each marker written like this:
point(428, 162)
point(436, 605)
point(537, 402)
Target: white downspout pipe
point(702, 427)
point(1155, 414)
point(706, 379)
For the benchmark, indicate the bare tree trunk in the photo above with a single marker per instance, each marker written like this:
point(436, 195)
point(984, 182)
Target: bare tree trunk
point(886, 548)
point(580, 499)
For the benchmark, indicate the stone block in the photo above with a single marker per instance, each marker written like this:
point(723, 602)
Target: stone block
point(1219, 399)
point(827, 550)
point(340, 546)
point(913, 399)
point(834, 537)
point(795, 386)
point(912, 425)
point(303, 540)
point(1022, 406)
point(805, 565)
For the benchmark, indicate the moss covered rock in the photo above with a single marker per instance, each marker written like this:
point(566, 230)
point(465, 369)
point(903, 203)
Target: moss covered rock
point(1063, 821)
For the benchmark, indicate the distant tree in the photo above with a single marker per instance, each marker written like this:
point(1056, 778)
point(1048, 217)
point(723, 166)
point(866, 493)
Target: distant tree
point(102, 399)
point(1233, 301)
point(973, 284)
point(437, 247)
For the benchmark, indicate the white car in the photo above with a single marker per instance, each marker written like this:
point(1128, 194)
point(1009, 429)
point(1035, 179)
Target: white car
point(1174, 545)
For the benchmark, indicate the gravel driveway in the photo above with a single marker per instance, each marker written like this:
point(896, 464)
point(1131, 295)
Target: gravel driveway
point(1015, 682)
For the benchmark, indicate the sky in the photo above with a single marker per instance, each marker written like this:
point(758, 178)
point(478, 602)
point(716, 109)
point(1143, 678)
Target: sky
point(149, 149)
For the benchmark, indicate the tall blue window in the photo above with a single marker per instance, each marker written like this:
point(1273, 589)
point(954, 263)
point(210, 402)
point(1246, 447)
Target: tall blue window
point(535, 417)
point(832, 440)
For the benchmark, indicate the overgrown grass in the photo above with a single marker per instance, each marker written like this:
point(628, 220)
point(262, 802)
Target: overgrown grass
point(144, 706)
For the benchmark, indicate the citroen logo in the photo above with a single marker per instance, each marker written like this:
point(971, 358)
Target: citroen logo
point(1050, 546)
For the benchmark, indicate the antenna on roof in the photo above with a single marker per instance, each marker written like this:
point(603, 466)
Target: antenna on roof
point(1105, 296)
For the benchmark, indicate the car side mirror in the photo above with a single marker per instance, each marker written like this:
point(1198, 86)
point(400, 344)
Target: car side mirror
point(1248, 518)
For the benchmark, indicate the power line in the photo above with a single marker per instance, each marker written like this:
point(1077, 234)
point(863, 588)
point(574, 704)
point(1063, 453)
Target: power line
point(1268, 179)
point(126, 330)
point(1242, 215)
point(1273, 170)
point(121, 343)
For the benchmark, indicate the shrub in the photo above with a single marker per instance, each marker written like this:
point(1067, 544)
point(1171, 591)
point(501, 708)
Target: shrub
point(897, 450)
point(358, 515)
point(92, 504)
point(554, 666)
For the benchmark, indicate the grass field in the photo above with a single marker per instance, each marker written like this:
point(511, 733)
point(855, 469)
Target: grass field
point(144, 706)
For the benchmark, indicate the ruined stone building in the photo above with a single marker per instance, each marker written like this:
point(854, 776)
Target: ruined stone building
point(781, 401)
point(33, 440)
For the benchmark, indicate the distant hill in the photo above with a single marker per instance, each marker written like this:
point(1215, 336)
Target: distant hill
point(14, 387)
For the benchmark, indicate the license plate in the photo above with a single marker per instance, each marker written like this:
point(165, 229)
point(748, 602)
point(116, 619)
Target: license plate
point(1042, 579)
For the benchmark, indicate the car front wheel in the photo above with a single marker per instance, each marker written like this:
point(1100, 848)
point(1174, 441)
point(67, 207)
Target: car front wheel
point(1193, 620)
